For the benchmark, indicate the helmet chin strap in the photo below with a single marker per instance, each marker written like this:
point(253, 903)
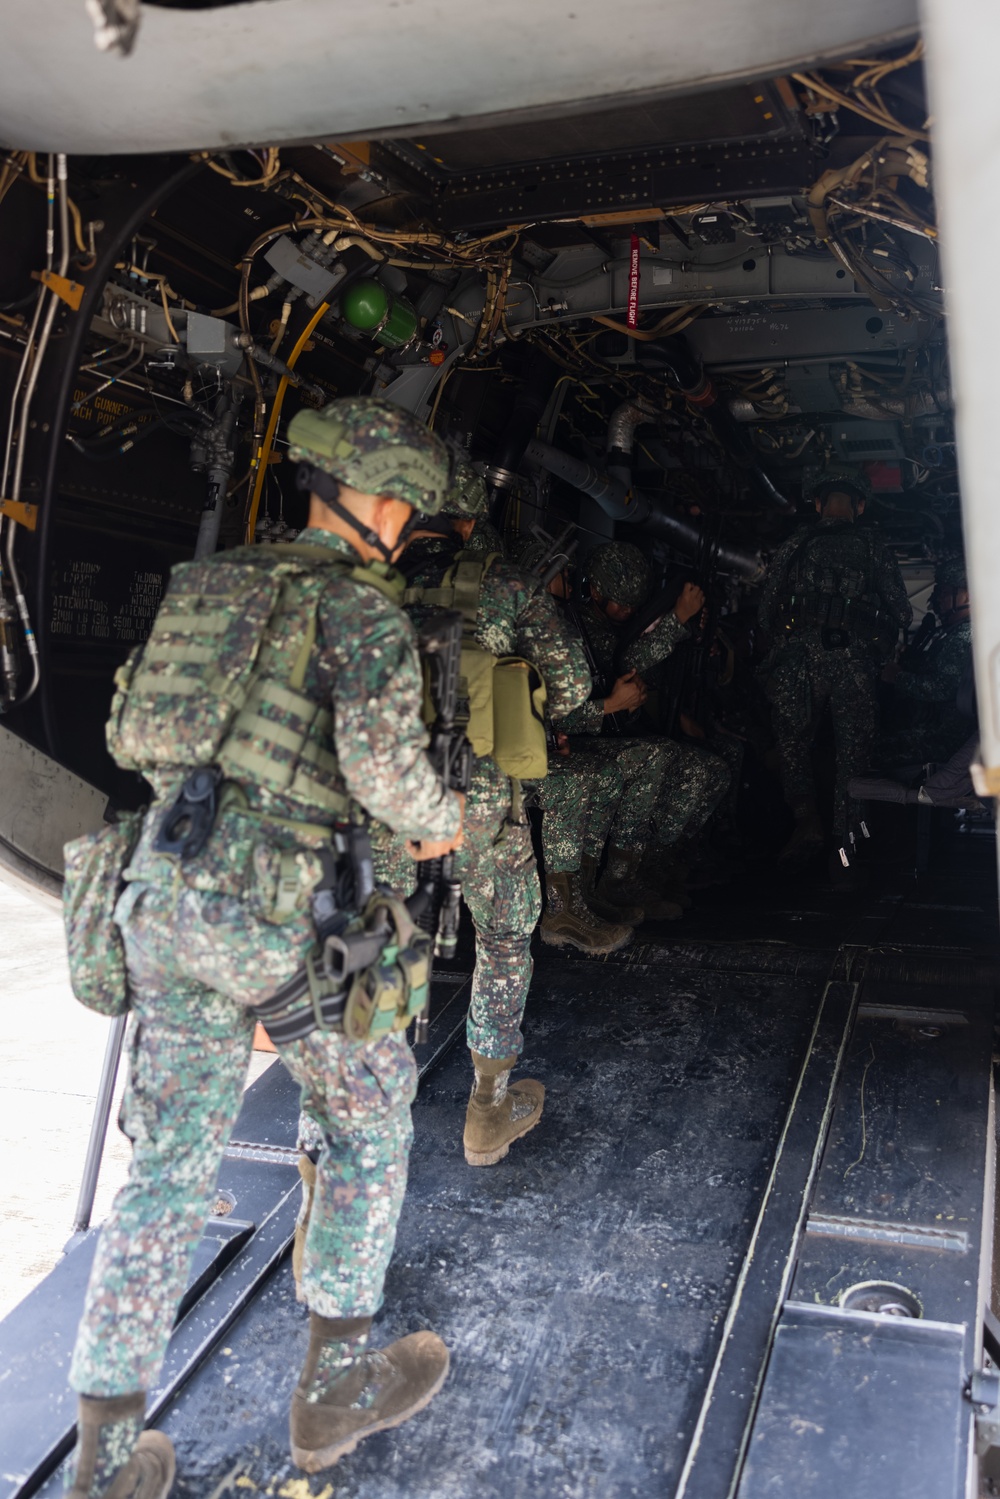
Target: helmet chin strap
point(316, 481)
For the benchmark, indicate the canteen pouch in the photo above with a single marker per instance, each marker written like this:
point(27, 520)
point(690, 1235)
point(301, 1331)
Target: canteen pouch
point(519, 698)
point(94, 866)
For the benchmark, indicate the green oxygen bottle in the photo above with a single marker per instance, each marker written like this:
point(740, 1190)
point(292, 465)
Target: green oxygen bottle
point(390, 320)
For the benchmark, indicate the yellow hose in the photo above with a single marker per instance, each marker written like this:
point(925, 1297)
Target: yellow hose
point(272, 425)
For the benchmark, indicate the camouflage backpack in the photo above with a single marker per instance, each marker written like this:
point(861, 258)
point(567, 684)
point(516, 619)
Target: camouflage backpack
point(194, 694)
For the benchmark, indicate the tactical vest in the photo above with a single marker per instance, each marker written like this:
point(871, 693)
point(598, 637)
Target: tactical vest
point(502, 698)
point(837, 596)
point(209, 687)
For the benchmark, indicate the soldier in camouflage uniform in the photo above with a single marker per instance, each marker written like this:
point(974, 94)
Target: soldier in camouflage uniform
point(932, 713)
point(834, 602)
point(496, 865)
point(484, 536)
point(201, 944)
point(647, 792)
point(576, 787)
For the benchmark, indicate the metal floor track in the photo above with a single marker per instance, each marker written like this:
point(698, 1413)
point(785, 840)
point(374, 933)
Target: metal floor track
point(644, 1298)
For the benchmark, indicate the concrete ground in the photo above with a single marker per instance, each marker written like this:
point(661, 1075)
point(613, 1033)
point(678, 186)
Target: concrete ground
point(51, 1062)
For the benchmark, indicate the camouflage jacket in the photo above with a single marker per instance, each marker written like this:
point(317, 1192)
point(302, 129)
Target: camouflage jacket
point(946, 664)
point(485, 538)
point(364, 666)
point(603, 639)
point(819, 552)
point(517, 617)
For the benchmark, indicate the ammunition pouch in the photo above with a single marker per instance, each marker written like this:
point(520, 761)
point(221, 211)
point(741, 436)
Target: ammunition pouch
point(271, 864)
point(841, 621)
point(367, 980)
point(94, 874)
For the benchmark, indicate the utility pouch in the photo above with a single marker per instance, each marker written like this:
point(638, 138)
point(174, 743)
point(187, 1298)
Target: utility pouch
point(477, 688)
point(91, 887)
point(519, 698)
point(390, 990)
point(835, 638)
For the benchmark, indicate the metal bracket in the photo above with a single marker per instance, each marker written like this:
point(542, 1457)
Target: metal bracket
point(16, 510)
point(983, 1389)
point(70, 292)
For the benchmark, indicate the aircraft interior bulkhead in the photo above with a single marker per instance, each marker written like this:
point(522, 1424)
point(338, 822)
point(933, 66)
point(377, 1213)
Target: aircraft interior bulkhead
point(749, 1250)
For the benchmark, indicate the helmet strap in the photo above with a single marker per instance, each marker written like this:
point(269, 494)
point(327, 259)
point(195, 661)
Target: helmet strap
point(317, 481)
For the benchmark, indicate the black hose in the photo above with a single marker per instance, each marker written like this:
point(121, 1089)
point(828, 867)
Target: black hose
point(530, 402)
point(107, 449)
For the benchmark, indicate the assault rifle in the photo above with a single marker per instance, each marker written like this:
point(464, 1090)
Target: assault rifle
point(558, 553)
point(435, 905)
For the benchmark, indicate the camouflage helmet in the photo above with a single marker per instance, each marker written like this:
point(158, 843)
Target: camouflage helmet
point(374, 447)
point(620, 572)
point(467, 496)
point(828, 480)
point(950, 573)
point(529, 554)
point(540, 557)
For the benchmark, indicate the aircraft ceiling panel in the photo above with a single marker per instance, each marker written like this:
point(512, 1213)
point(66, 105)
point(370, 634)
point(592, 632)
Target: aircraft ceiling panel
point(307, 70)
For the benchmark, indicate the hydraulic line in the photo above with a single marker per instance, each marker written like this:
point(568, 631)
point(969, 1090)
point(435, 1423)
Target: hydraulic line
point(12, 573)
point(142, 190)
point(272, 425)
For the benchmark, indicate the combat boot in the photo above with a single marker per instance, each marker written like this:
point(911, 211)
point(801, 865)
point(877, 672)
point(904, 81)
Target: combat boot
point(626, 915)
point(568, 920)
point(497, 1114)
point(622, 881)
point(148, 1473)
point(807, 839)
point(382, 1388)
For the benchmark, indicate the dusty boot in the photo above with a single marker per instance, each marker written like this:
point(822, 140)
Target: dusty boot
point(307, 1171)
point(622, 882)
point(498, 1115)
point(568, 920)
point(336, 1407)
point(626, 915)
point(807, 839)
point(115, 1458)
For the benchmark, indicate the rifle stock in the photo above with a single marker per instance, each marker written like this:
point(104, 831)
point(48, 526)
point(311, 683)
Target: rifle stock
point(436, 903)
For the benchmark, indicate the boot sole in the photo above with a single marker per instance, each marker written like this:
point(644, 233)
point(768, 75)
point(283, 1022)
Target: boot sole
point(599, 952)
point(326, 1457)
point(491, 1157)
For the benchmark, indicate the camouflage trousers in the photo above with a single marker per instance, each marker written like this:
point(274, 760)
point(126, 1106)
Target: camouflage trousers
point(637, 790)
point(803, 680)
point(499, 876)
point(574, 786)
point(190, 1045)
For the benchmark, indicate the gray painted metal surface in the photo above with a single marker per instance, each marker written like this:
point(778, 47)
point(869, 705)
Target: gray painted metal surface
point(42, 806)
point(962, 41)
point(284, 70)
